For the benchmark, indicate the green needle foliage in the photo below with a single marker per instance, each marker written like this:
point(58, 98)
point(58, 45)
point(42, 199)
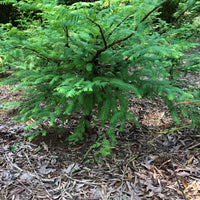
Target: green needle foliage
point(89, 57)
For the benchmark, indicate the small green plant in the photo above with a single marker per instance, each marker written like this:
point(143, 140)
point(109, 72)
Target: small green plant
point(13, 148)
point(88, 58)
point(1, 63)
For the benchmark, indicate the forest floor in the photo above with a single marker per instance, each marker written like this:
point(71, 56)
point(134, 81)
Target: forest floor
point(146, 163)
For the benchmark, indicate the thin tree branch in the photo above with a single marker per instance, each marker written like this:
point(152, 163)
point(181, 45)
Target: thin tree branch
point(119, 24)
point(181, 189)
point(98, 53)
point(12, 164)
point(67, 36)
point(182, 13)
point(17, 59)
point(101, 31)
point(151, 25)
point(147, 15)
point(40, 55)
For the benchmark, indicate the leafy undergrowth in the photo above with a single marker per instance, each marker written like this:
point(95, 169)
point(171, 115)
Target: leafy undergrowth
point(145, 164)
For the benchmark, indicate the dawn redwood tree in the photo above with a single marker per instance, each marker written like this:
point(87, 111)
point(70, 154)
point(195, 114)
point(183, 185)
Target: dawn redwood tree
point(88, 58)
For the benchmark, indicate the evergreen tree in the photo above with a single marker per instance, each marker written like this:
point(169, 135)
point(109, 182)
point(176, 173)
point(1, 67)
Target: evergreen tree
point(88, 58)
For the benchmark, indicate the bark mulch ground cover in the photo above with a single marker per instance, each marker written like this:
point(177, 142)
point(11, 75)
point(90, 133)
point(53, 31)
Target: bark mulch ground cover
point(145, 164)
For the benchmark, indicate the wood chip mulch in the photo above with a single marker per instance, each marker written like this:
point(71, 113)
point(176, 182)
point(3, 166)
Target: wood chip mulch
point(144, 165)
